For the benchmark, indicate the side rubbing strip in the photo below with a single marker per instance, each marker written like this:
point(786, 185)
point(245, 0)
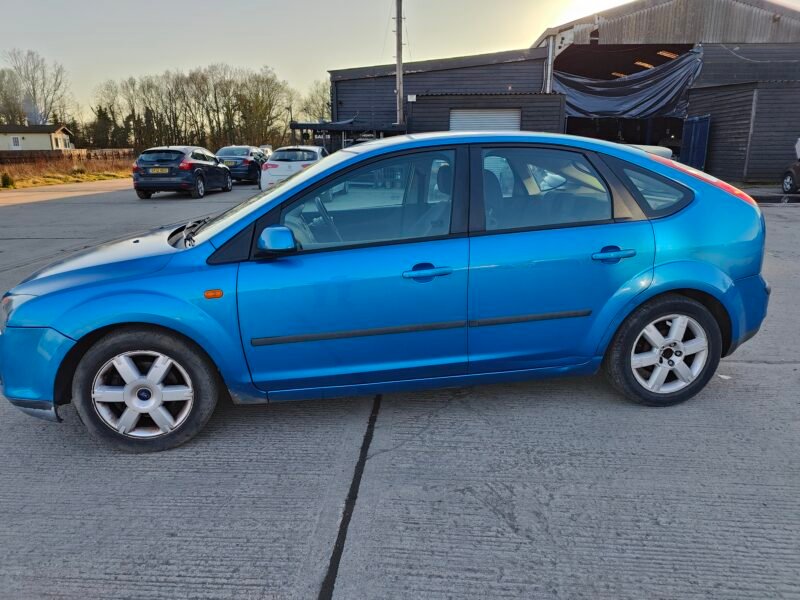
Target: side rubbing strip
point(567, 314)
point(339, 335)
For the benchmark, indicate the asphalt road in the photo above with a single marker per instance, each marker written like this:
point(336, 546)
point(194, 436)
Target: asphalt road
point(554, 489)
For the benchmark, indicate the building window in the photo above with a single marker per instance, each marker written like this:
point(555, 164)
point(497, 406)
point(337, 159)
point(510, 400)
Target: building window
point(56, 140)
point(15, 142)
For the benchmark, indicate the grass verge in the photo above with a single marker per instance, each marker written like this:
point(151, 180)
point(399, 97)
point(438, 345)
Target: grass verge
point(52, 172)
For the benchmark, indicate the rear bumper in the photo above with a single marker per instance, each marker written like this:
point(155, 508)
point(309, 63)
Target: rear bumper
point(751, 309)
point(166, 184)
point(268, 181)
point(244, 173)
point(29, 362)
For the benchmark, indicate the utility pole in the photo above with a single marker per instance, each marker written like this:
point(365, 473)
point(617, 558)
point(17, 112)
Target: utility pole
point(399, 53)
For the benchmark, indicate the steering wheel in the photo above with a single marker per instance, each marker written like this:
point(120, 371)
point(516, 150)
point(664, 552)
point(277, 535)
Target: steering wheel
point(326, 216)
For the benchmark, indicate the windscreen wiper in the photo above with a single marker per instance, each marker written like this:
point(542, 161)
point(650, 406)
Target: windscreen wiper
point(191, 228)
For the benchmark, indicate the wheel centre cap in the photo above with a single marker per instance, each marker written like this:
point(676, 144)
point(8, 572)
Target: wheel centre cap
point(144, 394)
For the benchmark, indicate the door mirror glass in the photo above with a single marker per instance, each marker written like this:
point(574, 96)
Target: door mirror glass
point(277, 239)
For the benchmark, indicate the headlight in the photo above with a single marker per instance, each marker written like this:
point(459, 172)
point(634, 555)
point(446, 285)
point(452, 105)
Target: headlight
point(8, 305)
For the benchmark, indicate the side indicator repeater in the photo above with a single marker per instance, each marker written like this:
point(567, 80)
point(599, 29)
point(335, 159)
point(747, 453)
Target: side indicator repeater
point(212, 294)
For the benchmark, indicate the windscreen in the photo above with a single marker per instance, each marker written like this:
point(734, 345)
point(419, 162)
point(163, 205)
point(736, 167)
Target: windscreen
point(153, 156)
point(294, 156)
point(233, 151)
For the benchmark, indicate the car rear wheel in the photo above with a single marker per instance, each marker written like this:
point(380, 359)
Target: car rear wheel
point(665, 352)
point(789, 183)
point(144, 390)
point(199, 189)
point(144, 195)
point(228, 183)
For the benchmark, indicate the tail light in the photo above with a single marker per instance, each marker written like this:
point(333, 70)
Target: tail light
point(136, 168)
point(185, 165)
point(717, 183)
point(306, 165)
point(268, 166)
point(246, 161)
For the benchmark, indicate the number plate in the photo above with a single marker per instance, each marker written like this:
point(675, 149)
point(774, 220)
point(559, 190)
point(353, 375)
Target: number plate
point(230, 163)
point(159, 170)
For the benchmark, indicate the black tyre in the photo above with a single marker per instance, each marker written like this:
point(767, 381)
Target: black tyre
point(789, 183)
point(228, 183)
point(144, 390)
point(665, 352)
point(199, 189)
point(144, 195)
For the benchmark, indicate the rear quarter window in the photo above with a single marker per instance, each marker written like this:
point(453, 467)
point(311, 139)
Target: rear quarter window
point(657, 195)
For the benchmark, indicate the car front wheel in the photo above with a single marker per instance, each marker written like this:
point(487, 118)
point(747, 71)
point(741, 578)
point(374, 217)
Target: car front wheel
point(144, 390)
point(228, 183)
point(789, 183)
point(665, 352)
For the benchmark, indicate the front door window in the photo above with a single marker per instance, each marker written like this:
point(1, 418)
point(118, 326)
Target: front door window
point(402, 198)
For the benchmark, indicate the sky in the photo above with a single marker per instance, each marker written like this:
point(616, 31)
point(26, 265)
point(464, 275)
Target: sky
point(301, 40)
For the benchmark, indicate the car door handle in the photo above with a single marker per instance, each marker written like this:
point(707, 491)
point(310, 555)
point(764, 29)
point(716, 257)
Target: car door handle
point(613, 254)
point(427, 271)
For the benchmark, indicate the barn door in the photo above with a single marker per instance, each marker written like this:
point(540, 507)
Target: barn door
point(694, 147)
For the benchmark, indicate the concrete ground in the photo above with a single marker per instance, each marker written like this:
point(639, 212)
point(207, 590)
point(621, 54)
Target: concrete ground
point(554, 489)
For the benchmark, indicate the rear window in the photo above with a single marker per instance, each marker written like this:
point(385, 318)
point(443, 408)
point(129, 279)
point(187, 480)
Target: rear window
point(660, 195)
point(232, 151)
point(294, 156)
point(160, 156)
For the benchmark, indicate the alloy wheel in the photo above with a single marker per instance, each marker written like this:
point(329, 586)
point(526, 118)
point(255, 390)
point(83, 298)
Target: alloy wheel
point(669, 354)
point(142, 394)
point(788, 183)
point(201, 188)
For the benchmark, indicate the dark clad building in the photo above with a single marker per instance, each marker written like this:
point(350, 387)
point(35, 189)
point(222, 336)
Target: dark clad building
point(733, 110)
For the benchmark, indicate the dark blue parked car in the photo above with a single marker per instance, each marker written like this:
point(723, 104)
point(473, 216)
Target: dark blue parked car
point(179, 169)
point(468, 259)
point(244, 162)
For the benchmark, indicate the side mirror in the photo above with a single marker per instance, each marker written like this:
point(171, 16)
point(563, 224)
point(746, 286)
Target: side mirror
point(276, 239)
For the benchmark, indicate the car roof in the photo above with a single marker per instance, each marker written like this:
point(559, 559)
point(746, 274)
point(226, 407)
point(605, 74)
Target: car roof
point(313, 148)
point(414, 140)
point(179, 148)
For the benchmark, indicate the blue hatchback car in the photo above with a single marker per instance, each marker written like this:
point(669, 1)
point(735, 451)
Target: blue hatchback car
point(452, 260)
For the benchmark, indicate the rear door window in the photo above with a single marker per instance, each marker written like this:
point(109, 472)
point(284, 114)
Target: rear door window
point(527, 188)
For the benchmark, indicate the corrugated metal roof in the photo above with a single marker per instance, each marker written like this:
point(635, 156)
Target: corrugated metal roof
point(442, 64)
point(684, 21)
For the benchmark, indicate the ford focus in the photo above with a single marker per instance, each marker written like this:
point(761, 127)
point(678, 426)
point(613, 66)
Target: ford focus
point(445, 260)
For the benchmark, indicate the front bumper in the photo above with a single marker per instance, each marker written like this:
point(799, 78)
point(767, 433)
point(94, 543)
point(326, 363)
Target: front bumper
point(29, 362)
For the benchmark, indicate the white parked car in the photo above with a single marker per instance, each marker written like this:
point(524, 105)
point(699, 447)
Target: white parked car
point(287, 161)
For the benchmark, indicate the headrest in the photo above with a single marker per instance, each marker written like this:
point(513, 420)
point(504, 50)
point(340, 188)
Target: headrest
point(444, 179)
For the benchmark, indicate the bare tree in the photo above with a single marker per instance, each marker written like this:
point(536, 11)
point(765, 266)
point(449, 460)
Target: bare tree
point(44, 87)
point(11, 109)
point(316, 104)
